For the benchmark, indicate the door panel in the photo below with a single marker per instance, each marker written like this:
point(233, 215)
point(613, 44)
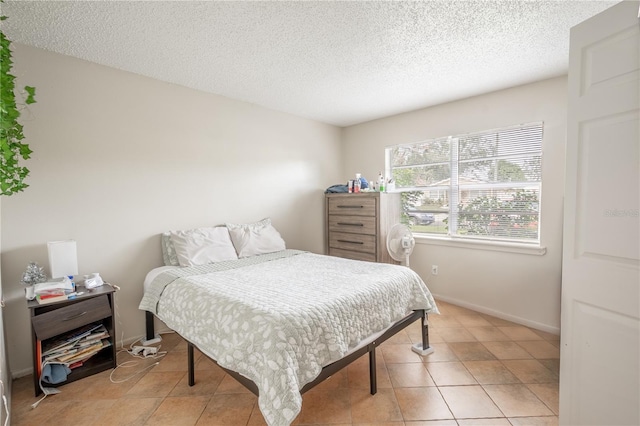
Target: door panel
point(598, 340)
point(608, 167)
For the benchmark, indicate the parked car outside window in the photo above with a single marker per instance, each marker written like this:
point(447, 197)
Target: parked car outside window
point(417, 217)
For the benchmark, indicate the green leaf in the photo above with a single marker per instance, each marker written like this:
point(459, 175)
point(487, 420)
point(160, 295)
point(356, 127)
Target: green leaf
point(25, 151)
point(31, 93)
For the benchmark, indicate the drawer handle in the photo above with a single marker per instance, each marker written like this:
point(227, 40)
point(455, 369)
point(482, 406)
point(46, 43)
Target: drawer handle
point(350, 242)
point(350, 207)
point(350, 224)
point(74, 316)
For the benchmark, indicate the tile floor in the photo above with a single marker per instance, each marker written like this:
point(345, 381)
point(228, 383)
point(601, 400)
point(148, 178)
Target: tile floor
point(484, 371)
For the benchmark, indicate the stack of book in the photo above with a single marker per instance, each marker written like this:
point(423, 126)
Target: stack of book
point(53, 291)
point(76, 347)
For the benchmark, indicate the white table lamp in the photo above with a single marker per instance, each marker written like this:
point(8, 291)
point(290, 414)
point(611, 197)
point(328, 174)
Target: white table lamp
point(63, 258)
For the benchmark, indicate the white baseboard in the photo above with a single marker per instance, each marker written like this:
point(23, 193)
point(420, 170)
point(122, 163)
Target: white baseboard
point(21, 373)
point(498, 314)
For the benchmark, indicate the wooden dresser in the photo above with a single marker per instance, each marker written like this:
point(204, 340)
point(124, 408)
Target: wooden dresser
point(357, 224)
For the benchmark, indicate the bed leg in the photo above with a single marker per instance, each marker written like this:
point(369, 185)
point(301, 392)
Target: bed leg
point(423, 348)
point(192, 378)
point(149, 325)
point(372, 371)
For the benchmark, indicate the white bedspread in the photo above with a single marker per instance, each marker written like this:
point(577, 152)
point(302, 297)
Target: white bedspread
point(277, 319)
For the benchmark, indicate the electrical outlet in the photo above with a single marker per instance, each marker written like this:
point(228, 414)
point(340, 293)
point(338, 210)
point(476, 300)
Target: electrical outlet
point(434, 269)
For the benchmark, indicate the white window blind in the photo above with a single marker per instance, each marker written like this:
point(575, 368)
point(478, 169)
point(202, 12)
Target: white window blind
point(483, 185)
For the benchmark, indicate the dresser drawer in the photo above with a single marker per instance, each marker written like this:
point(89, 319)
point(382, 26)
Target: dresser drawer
point(355, 255)
point(352, 206)
point(67, 318)
point(355, 242)
point(355, 224)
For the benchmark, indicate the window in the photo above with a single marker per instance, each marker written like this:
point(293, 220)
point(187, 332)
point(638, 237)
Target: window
point(484, 185)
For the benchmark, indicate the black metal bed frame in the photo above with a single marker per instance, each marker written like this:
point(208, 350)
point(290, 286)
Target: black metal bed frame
point(328, 370)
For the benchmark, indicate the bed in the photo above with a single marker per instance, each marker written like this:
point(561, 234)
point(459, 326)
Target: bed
point(281, 322)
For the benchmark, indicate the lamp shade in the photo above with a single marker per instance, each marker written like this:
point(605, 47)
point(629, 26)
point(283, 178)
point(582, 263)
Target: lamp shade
point(63, 258)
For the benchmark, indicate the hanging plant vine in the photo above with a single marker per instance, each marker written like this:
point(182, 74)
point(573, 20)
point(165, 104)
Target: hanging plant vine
point(12, 174)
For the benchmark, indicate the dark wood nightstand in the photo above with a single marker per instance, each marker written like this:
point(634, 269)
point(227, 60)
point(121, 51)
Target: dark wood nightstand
point(51, 321)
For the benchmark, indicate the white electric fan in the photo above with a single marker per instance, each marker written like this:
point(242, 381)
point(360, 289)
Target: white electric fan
point(400, 243)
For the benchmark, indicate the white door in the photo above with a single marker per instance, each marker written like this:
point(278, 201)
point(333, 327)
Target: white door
point(600, 340)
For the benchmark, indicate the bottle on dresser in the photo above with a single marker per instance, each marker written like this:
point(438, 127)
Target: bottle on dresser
point(357, 183)
point(381, 185)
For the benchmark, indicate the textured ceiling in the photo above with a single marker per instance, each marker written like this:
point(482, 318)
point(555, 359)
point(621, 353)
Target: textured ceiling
point(337, 62)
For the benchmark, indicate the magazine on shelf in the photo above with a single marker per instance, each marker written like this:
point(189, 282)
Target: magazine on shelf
point(71, 340)
point(83, 355)
point(80, 354)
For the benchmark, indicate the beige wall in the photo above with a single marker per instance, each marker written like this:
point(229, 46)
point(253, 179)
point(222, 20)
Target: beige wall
point(119, 158)
point(520, 287)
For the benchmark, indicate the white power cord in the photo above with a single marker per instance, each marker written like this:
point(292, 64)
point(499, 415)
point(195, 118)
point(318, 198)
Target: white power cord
point(46, 391)
point(6, 408)
point(5, 403)
point(129, 364)
point(126, 365)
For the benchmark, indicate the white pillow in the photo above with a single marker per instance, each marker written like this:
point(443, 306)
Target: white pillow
point(255, 238)
point(203, 245)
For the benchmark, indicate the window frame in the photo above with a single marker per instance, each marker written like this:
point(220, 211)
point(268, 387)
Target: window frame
point(521, 245)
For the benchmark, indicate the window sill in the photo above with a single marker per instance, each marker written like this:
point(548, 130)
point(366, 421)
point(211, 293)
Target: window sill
point(481, 245)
